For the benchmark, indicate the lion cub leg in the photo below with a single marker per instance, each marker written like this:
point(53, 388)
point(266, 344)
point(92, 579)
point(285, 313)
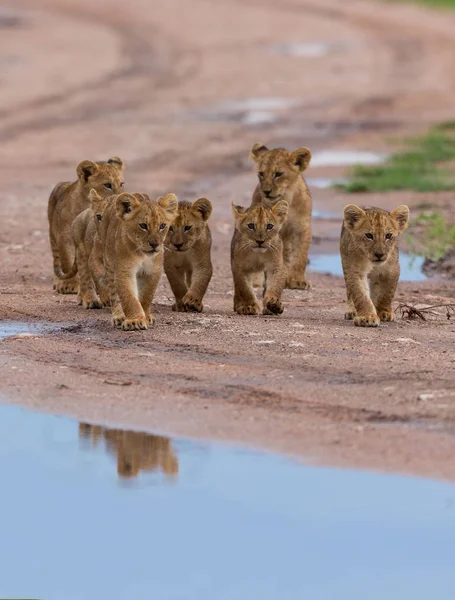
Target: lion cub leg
point(66, 252)
point(358, 291)
point(245, 301)
point(87, 293)
point(383, 287)
point(296, 258)
point(198, 281)
point(275, 282)
point(118, 316)
point(98, 272)
point(350, 313)
point(127, 284)
point(176, 278)
point(147, 285)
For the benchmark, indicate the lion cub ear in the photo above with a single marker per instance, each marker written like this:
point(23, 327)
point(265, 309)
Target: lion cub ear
point(237, 210)
point(301, 158)
point(94, 197)
point(204, 207)
point(86, 169)
point(256, 151)
point(170, 204)
point(280, 210)
point(401, 216)
point(125, 204)
point(115, 161)
point(352, 215)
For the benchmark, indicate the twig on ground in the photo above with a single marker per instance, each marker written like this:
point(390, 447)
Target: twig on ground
point(412, 312)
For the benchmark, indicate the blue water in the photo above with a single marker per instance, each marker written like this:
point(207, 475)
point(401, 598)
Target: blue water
point(201, 521)
point(411, 266)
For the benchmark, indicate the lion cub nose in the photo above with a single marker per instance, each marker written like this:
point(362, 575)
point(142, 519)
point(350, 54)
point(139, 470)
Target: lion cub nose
point(267, 193)
point(178, 246)
point(259, 242)
point(379, 255)
point(153, 245)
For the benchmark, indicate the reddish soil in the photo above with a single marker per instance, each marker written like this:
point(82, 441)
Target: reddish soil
point(87, 79)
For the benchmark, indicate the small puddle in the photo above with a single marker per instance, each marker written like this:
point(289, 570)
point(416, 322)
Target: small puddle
point(411, 266)
point(345, 158)
point(91, 512)
point(18, 328)
point(304, 49)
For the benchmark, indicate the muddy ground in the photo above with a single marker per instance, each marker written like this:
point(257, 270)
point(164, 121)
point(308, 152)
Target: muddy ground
point(158, 87)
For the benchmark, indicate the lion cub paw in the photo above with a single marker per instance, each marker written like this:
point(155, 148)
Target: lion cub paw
point(117, 319)
point(295, 283)
point(192, 304)
point(349, 315)
point(386, 315)
point(135, 324)
point(367, 320)
point(248, 309)
point(178, 307)
point(66, 287)
point(272, 306)
point(90, 302)
point(150, 318)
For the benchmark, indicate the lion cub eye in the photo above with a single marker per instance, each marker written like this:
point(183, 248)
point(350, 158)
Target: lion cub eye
point(388, 236)
point(143, 226)
point(99, 217)
point(187, 227)
point(369, 236)
point(163, 226)
point(108, 186)
point(277, 174)
point(122, 184)
point(269, 226)
point(250, 225)
point(261, 174)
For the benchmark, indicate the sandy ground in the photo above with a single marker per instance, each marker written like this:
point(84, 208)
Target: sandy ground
point(155, 84)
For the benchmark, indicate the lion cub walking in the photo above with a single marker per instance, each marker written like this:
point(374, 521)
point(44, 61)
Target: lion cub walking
point(280, 178)
point(187, 261)
point(257, 248)
point(88, 259)
point(369, 256)
point(132, 234)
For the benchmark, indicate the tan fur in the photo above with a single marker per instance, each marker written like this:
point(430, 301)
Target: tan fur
point(257, 248)
point(290, 186)
point(370, 265)
point(88, 260)
point(135, 451)
point(66, 201)
point(133, 256)
point(187, 261)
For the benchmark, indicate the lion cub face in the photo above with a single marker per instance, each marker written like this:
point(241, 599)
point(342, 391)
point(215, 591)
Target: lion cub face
point(259, 225)
point(98, 204)
point(189, 224)
point(145, 223)
point(105, 178)
point(278, 170)
point(374, 231)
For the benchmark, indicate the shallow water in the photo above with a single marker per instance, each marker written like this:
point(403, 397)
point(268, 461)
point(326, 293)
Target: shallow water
point(201, 521)
point(411, 266)
point(13, 328)
point(304, 49)
point(345, 158)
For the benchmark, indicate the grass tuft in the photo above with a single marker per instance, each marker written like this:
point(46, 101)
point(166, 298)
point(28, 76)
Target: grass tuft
point(416, 168)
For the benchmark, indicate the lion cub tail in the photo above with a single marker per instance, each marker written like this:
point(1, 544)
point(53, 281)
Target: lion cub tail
point(64, 276)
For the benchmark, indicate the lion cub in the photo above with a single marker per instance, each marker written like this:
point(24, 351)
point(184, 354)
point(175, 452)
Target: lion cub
point(280, 178)
point(257, 248)
point(88, 259)
point(369, 256)
point(67, 200)
point(132, 235)
point(187, 262)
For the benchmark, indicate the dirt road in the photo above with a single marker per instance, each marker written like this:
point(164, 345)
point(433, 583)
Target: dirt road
point(181, 91)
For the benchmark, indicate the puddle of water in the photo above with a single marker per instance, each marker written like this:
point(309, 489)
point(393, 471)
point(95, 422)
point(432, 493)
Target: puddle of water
point(12, 328)
point(345, 158)
point(324, 183)
point(411, 266)
point(97, 513)
point(303, 49)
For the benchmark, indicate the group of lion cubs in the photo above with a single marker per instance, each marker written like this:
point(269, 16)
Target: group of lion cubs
point(118, 242)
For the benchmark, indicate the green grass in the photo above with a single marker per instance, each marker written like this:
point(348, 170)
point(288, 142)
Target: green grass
point(436, 3)
point(436, 238)
point(420, 167)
